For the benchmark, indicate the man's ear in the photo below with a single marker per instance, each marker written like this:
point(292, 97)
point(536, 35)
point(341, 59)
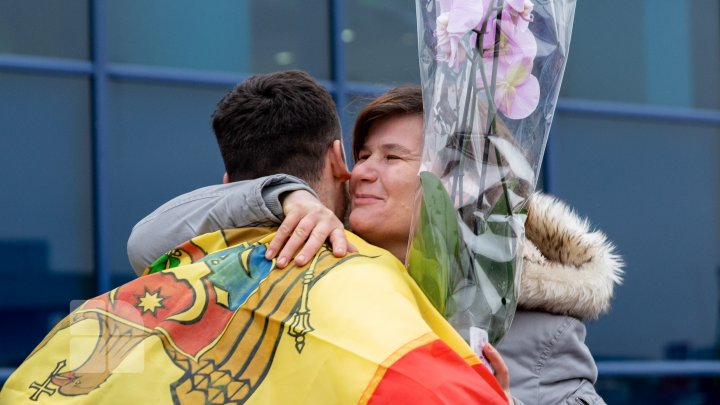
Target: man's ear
point(226, 178)
point(337, 161)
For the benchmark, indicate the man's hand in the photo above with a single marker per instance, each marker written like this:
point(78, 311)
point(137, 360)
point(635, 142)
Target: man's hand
point(309, 222)
point(501, 371)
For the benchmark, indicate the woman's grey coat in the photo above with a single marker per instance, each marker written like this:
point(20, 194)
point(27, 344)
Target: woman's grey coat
point(568, 277)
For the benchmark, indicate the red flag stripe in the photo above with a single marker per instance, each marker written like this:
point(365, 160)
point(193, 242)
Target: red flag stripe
point(393, 358)
point(434, 374)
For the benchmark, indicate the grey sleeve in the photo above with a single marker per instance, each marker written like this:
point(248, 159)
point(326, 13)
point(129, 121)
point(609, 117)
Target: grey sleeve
point(570, 372)
point(548, 360)
point(239, 204)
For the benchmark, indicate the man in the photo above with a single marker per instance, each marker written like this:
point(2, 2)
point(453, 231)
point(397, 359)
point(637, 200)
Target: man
point(212, 321)
point(284, 120)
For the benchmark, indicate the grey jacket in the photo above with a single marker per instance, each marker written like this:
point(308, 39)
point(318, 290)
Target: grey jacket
point(568, 276)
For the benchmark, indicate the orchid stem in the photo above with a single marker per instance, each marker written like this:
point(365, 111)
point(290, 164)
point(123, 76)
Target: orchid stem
point(478, 54)
point(492, 107)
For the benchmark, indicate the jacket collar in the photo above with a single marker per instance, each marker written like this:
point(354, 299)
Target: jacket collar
point(567, 268)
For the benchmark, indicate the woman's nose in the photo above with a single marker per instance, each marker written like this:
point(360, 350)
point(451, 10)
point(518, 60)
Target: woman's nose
point(364, 170)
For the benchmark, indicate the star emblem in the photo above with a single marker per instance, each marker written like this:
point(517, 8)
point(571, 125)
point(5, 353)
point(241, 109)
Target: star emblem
point(151, 301)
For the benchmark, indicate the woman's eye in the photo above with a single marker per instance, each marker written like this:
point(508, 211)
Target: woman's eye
point(362, 157)
point(392, 157)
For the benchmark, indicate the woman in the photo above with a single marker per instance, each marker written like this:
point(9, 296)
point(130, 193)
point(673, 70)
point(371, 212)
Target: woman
point(568, 275)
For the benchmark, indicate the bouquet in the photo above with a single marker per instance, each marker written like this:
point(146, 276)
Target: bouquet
point(491, 73)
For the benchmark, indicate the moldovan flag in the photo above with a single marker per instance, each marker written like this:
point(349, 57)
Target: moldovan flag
point(213, 322)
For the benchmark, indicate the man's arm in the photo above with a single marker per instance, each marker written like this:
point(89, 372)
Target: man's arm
point(239, 204)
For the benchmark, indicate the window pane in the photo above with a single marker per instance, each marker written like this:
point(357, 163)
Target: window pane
point(705, 26)
point(46, 222)
point(47, 168)
point(659, 390)
point(291, 34)
point(643, 58)
point(231, 35)
point(45, 27)
point(654, 188)
point(381, 40)
point(160, 145)
point(606, 64)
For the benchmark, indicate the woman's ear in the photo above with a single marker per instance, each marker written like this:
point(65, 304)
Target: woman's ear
point(226, 178)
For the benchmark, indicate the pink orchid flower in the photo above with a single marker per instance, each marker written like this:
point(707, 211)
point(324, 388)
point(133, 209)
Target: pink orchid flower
point(520, 12)
point(517, 91)
point(515, 43)
point(456, 20)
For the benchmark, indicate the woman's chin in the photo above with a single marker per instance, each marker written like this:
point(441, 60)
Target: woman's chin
point(361, 221)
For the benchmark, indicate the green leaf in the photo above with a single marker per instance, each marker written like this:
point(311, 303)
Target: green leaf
point(436, 245)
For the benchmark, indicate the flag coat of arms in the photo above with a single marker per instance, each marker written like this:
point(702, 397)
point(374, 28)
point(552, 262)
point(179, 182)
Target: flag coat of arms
point(213, 321)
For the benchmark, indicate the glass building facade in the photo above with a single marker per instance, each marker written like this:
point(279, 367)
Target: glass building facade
point(106, 110)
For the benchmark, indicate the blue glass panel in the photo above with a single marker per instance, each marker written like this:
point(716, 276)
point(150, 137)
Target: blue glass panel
point(227, 35)
point(46, 238)
point(160, 145)
point(45, 27)
point(654, 188)
point(381, 40)
point(659, 390)
point(46, 168)
point(705, 42)
point(606, 62)
point(180, 33)
point(290, 34)
point(664, 53)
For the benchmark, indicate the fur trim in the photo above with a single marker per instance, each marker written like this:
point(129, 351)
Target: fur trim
point(567, 269)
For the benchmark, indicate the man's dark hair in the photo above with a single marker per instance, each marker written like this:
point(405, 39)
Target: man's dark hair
point(274, 123)
point(398, 101)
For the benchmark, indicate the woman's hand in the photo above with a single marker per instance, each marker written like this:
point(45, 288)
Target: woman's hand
point(308, 224)
point(501, 371)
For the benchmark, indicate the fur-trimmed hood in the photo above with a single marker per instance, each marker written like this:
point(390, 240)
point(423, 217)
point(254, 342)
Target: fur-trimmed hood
point(567, 268)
